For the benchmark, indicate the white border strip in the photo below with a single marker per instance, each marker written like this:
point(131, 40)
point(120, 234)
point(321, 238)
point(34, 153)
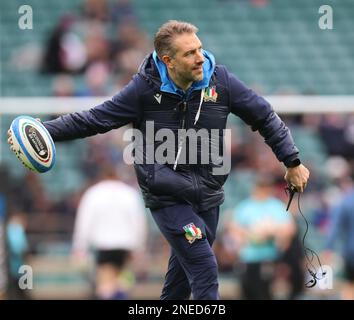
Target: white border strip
point(281, 104)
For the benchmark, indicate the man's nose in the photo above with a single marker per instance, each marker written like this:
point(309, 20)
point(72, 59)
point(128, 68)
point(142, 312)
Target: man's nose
point(200, 57)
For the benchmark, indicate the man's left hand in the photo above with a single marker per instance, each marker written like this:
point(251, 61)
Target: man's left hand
point(297, 177)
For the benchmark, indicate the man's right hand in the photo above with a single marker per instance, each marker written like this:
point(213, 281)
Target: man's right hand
point(9, 140)
point(297, 177)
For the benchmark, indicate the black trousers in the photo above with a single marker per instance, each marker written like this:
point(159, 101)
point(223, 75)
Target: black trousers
point(256, 281)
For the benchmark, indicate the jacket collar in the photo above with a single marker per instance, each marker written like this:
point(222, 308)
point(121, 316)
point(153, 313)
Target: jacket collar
point(167, 85)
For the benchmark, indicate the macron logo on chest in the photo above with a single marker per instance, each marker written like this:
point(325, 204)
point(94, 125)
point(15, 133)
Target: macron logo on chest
point(158, 97)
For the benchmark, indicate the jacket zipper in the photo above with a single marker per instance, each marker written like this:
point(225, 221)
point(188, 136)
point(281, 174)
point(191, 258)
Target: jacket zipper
point(184, 109)
point(192, 169)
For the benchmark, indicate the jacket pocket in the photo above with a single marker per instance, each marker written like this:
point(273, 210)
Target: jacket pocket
point(161, 180)
point(211, 180)
point(144, 175)
point(166, 181)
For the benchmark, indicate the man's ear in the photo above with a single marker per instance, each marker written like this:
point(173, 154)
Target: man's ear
point(167, 60)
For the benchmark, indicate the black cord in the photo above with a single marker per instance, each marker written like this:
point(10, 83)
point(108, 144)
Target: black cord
point(311, 269)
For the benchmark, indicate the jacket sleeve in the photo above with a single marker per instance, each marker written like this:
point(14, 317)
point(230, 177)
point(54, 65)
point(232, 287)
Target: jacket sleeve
point(259, 114)
point(122, 109)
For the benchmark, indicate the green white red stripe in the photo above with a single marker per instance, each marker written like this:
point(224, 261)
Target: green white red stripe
point(210, 91)
point(191, 230)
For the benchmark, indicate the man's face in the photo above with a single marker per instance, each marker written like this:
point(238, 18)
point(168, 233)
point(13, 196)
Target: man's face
point(187, 63)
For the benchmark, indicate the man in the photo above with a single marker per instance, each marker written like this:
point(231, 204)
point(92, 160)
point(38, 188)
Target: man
point(342, 229)
point(180, 86)
point(263, 231)
point(107, 213)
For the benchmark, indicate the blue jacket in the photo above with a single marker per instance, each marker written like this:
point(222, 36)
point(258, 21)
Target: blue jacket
point(151, 96)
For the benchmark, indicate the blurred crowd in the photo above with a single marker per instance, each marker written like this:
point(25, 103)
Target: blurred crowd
point(104, 46)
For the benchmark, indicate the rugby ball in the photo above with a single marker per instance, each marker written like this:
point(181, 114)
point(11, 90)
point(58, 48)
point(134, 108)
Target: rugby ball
point(32, 144)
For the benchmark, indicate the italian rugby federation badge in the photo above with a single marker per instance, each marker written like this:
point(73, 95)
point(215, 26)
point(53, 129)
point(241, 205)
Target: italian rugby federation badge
point(192, 232)
point(210, 94)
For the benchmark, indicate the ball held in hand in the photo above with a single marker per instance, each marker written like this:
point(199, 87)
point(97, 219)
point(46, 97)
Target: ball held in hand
point(32, 144)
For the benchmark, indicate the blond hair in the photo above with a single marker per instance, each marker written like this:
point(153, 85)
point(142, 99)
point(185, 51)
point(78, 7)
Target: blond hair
point(163, 41)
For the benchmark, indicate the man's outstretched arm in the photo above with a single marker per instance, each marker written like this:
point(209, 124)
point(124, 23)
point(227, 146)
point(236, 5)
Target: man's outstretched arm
point(111, 114)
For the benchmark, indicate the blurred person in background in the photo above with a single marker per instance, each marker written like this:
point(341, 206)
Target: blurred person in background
point(111, 222)
point(263, 230)
point(123, 10)
point(96, 10)
point(179, 86)
point(17, 245)
point(3, 258)
point(290, 266)
point(96, 81)
point(65, 51)
point(342, 228)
